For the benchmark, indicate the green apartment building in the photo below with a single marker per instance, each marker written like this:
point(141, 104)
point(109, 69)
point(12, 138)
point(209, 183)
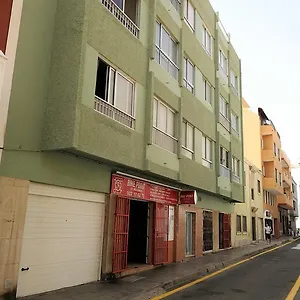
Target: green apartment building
point(123, 143)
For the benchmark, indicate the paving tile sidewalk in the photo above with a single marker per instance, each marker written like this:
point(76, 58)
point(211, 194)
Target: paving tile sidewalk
point(146, 285)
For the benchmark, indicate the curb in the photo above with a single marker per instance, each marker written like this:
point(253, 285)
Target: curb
point(167, 286)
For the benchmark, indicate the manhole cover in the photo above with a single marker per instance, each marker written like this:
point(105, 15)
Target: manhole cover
point(132, 278)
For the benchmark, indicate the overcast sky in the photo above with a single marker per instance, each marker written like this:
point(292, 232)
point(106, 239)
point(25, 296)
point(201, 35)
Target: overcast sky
point(266, 36)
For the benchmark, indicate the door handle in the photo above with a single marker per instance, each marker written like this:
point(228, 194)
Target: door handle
point(25, 269)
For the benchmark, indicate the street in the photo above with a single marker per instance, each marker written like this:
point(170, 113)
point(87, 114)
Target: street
point(269, 276)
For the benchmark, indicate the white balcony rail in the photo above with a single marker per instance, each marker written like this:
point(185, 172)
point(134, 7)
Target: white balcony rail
point(224, 171)
point(176, 4)
point(113, 112)
point(224, 121)
point(236, 178)
point(121, 16)
point(164, 140)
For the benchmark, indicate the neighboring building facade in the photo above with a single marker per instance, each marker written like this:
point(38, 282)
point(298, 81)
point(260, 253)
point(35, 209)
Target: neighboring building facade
point(294, 213)
point(249, 215)
point(97, 133)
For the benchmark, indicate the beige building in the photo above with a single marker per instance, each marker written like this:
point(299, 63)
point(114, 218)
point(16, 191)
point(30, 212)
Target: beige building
point(248, 216)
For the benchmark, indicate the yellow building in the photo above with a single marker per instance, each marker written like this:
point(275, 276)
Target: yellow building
point(248, 217)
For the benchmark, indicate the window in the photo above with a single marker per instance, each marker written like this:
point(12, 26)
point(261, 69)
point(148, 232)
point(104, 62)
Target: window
point(188, 137)
point(275, 149)
point(262, 144)
point(276, 175)
point(189, 14)
point(258, 186)
point(235, 122)
point(234, 80)
point(206, 152)
point(207, 40)
point(223, 107)
point(280, 179)
point(278, 154)
point(208, 94)
point(224, 157)
point(176, 4)
point(166, 50)
point(238, 223)
point(223, 62)
point(114, 94)
point(235, 170)
point(252, 194)
point(189, 75)
point(263, 170)
point(189, 233)
point(245, 224)
point(163, 126)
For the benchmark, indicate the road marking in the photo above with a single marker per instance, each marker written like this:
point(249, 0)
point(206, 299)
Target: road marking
point(167, 294)
point(297, 247)
point(293, 292)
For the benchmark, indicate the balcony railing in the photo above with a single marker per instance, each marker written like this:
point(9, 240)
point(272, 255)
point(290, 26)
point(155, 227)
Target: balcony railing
point(164, 140)
point(236, 178)
point(113, 112)
point(176, 4)
point(224, 171)
point(121, 16)
point(224, 121)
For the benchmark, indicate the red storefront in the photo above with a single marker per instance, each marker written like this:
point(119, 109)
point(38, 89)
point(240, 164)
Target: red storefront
point(143, 226)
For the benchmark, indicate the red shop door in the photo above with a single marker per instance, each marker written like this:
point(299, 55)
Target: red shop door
point(120, 249)
point(226, 230)
point(161, 234)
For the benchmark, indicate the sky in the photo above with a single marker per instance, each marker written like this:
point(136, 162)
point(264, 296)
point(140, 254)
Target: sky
point(266, 36)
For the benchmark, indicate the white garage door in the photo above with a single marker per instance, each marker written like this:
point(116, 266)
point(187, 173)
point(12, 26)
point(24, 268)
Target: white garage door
point(62, 241)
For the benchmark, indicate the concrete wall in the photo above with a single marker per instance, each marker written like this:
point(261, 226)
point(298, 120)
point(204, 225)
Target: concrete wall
point(13, 204)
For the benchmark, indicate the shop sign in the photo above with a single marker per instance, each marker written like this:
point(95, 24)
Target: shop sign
point(188, 197)
point(138, 189)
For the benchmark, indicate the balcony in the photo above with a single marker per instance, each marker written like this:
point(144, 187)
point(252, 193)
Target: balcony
point(164, 140)
point(270, 185)
point(224, 172)
point(285, 201)
point(286, 163)
point(124, 12)
point(224, 121)
point(286, 179)
point(113, 112)
point(266, 129)
point(268, 155)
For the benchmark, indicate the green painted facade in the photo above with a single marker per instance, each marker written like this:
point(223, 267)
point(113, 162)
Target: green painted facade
point(55, 136)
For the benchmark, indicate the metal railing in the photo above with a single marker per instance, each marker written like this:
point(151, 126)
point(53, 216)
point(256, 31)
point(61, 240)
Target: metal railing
point(176, 4)
point(121, 16)
point(236, 178)
point(164, 140)
point(224, 121)
point(224, 171)
point(113, 112)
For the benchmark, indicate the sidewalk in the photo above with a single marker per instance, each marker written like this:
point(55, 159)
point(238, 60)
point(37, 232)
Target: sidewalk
point(152, 283)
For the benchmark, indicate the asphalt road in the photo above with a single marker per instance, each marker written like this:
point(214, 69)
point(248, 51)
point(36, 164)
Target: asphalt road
point(269, 276)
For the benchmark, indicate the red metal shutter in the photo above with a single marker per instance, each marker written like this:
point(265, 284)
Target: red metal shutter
point(161, 233)
point(226, 231)
point(120, 249)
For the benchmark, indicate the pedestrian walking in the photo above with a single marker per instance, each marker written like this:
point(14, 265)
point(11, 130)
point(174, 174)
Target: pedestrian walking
point(268, 231)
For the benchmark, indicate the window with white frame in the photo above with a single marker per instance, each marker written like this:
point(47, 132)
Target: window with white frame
point(238, 223)
point(245, 224)
point(224, 111)
point(208, 90)
point(207, 148)
point(207, 40)
point(189, 14)
point(234, 122)
point(114, 94)
point(188, 137)
point(176, 4)
point(188, 75)
point(166, 50)
point(224, 157)
point(223, 62)
point(234, 80)
point(235, 169)
point(163, 126)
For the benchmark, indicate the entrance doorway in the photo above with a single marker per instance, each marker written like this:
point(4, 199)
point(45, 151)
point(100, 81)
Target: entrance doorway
point(207, 231)
point(253, 229)
point(138, 232)
point(224, 231)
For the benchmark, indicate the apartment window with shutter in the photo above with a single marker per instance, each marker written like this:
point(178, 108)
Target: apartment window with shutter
point(166, 50)
point(238, 223)
point(235, 122)
point(189, 75)
point(188, 138)
point(245, 224)
point(208, 90)
point(252, 194)
point(207, 40)
point(189, 14)
point(224, 108)
point(207, 152)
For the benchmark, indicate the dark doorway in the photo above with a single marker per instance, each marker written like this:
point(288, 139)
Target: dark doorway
point(253, 229)
point(207, 230)
point(221, 231)
point(138, 232)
